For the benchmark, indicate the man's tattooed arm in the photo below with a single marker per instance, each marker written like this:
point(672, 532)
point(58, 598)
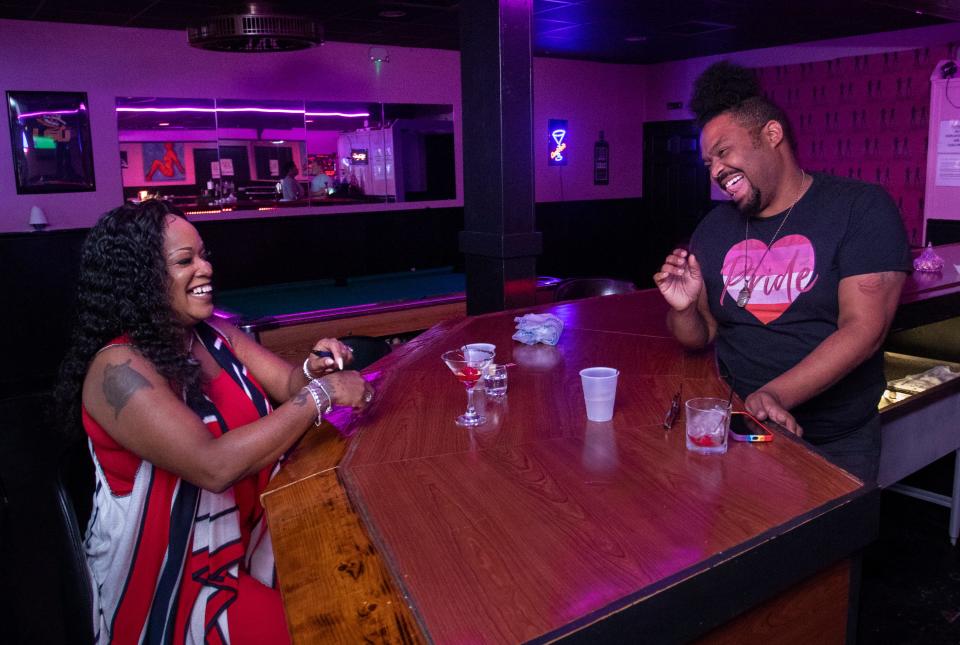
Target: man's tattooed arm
point(120, 382)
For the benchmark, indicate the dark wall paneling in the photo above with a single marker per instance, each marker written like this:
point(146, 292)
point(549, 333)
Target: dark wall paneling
point(256, 252)
point(590, 238)
point(614, 238)
point(38, 287)
point(39, 279)
point(32, 541)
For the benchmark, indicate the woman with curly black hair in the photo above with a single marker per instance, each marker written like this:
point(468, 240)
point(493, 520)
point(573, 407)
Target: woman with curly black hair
point(177, 410)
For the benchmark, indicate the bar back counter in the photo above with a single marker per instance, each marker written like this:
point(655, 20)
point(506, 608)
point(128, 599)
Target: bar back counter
point(920, 415)
point(542, 526)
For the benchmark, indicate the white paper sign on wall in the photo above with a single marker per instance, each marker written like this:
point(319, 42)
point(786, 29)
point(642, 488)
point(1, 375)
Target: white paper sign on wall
point(949, 136)
point(948, 170)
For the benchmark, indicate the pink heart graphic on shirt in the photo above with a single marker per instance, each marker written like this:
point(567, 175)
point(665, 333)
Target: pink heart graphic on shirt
point(786, 271)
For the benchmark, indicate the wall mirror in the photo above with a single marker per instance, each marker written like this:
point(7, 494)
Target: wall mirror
point(164, 144)
point(346, 161)
point(257, 143)
point(213, 155)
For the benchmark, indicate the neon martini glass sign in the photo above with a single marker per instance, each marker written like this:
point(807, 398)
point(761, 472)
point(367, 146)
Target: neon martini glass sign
point(557, 144)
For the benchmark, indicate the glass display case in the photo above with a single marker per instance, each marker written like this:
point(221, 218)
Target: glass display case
point(920, 408)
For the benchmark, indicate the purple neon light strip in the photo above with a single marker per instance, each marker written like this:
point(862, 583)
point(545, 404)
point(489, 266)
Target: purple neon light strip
point(348, 115)
point(244, 109)
point(174, 109)
point(27, 115)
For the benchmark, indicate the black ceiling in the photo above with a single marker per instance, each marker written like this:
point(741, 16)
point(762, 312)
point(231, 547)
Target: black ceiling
point(604, 30)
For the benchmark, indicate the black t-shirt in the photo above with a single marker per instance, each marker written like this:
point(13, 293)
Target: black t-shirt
point(839, 228)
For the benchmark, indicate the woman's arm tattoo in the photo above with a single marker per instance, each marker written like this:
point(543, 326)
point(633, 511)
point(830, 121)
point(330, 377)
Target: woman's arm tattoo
point(120, 382)
point(301, 398)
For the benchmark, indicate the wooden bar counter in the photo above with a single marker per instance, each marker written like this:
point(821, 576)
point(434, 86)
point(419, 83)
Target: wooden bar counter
point(542, 526)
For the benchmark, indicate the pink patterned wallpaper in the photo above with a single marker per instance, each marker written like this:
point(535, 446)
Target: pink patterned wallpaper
point(864, 117)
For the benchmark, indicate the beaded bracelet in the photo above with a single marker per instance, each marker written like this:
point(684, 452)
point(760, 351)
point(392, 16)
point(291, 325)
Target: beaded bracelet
point(322, 408)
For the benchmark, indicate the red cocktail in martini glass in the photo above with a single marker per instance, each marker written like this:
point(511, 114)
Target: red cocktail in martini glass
point(468, 368)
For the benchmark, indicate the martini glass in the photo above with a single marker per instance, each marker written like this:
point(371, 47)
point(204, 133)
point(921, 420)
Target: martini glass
point(468, 368)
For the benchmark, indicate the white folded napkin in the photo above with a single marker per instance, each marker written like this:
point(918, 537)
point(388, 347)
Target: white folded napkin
point(538, 328)
point(925, 380)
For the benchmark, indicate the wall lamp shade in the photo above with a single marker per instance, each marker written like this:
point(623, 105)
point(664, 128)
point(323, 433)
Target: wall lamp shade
point(38, 219)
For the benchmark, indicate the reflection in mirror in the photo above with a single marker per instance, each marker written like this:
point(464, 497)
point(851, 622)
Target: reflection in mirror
point(164, 144)
point(419, 137)
point(403, 153)
point(219, 155)
point(262, 154)
point(340, 139)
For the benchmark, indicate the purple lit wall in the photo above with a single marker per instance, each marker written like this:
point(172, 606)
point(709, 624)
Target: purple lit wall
point(864, 117)
point(942, 198)
point(590, 97)
point(109, 62)
point(143, 62)
point(871, 88)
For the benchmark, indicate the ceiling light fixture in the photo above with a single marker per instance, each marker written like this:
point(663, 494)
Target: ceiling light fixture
point(392, 13)
point(259, 30)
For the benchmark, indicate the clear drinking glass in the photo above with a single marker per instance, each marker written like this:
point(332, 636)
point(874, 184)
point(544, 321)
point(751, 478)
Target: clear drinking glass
point(468, 368)
point(708, 422)
point(495, 380)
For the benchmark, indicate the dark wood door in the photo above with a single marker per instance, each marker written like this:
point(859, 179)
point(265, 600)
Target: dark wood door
point(676, 185)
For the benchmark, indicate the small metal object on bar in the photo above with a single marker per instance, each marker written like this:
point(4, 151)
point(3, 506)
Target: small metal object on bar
point(672, 413)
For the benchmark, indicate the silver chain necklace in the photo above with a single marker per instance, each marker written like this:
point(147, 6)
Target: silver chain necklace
point(743, 296)
point(190, 357)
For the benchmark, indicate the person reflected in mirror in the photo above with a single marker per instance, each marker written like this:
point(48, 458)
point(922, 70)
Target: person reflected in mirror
point(341, 187)
point(356, 185)
point(290, 189)
point(796, 277)
point(187, 419)
point(321, 185)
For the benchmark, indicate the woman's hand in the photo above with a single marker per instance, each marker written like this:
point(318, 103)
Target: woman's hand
point(321, 366)
point(348, 388)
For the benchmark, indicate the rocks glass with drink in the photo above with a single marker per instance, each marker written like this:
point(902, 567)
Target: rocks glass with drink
point(708, 423)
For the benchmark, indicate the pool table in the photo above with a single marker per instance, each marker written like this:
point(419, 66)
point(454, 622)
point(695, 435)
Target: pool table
point(288, 318)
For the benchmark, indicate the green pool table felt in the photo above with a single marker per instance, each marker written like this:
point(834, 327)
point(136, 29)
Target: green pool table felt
point(294, 297)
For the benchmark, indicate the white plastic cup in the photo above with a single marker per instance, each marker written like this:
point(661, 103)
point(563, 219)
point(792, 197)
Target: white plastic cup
point(486, 347)
point(599, 391)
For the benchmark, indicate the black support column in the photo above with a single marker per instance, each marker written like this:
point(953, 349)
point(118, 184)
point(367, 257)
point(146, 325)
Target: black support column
point(496, 70)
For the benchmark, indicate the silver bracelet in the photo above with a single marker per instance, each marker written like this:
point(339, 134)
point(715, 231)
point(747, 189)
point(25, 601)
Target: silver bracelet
point(306, 370)
point(322, 408)
point(326, 394)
